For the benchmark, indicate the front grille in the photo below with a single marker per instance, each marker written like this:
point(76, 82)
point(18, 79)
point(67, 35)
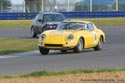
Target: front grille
point(50, 27)
point(54, 45)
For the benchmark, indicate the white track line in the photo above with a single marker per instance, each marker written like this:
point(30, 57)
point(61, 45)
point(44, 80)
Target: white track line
point(19, 55)
point(2, 57)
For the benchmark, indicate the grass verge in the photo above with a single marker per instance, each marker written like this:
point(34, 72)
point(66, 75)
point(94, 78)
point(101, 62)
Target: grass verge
point(8, 46)
point(97, 21)
point(46, 73)
point(105, 21)
point(15, 23)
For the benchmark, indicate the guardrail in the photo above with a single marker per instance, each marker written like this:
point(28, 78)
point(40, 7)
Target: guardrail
point(102, 14)
point(17, 16)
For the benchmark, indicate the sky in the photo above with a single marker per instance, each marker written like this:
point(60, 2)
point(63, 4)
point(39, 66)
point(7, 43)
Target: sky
point(17, 1)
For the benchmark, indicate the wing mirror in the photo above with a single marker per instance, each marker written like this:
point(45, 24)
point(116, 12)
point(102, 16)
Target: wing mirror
point(40, 20)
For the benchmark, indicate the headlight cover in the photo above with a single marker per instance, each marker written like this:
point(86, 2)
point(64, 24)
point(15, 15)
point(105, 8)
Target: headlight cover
point(70, 38)
point(43, 36)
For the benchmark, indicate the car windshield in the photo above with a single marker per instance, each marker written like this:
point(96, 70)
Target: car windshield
point(53, 17)
point(71, 26)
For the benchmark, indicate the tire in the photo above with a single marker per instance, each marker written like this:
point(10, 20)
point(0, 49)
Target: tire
point(33, 34)
point(43, 51)
point(79, 46)
point(100, 45)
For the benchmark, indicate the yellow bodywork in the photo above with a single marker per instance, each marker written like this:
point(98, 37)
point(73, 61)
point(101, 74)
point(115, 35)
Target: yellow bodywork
point(58, 39)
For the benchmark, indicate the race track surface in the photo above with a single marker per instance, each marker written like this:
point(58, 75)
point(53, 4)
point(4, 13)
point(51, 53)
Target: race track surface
point(112, 55)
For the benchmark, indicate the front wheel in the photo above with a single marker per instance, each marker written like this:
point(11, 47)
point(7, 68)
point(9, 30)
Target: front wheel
point(33, 34)
point(100, 45)
point(43, 51)
point(79, 46)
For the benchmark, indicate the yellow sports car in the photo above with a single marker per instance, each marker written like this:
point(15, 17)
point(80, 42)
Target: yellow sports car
point(73, 35)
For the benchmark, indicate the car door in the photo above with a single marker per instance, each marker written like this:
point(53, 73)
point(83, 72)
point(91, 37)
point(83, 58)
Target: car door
point(40, 22)
point(37, 22)
point(91, 35)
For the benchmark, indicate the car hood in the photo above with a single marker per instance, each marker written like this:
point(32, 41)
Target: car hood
point(57, 36)
point(60, 32)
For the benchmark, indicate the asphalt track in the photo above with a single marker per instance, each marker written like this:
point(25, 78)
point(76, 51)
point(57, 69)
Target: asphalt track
point(112, 55)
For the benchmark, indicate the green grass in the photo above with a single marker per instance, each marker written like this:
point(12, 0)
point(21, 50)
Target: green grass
point(97, 21)
point(15, 23)
point(106, 21)
point(8, 46)
point(46, 73)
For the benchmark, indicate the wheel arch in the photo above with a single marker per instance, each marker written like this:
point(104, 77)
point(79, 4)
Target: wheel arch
point(102, 38)
point(83, 41)
point(31, 27)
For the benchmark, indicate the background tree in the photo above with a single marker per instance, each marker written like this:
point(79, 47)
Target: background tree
point(5, 5)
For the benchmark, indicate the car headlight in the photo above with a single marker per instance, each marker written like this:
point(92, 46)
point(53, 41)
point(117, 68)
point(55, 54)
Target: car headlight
point(70, 38)
point(43, 36)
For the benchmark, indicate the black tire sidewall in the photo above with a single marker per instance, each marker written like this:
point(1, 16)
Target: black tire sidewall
point(33, 34)
point(77, 49)
point(100, 45)
point(43, 51)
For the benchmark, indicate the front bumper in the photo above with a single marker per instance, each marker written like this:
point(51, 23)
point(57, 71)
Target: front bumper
point(56, 47)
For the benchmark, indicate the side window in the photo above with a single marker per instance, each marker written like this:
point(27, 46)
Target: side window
point(37, 16)
point(90, 26)
point(40, 16)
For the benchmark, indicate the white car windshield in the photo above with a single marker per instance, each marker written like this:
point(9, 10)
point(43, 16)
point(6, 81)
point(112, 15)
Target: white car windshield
point(71, 26)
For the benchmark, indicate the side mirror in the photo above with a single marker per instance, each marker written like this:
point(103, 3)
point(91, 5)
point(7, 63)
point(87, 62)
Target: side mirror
point(40, 20)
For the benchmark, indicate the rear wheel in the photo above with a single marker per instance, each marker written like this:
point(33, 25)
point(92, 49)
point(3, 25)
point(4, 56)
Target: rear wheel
point(79, 46)
point(100, 45)
point(33, 34)
point(43, 51)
